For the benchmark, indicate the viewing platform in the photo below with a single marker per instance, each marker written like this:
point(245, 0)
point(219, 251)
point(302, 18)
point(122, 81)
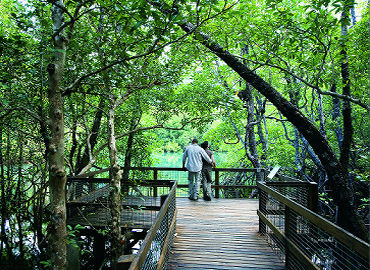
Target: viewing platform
point(252, 222)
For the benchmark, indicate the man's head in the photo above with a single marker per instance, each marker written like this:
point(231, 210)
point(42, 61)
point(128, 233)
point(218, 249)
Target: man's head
point(194, 141)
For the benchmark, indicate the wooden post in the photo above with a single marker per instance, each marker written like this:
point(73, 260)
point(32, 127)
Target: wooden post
point(262, 207)
point(155, 178)
point(91, 185)
point(288, 231)
point(313, 196)
point(217, 183)
point(99, 250)
point(163, 198)
point(312, 201)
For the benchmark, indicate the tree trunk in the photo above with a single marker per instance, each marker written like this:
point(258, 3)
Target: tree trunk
point(57, 175)
point(93, 139)
point(342, 194)
point(347, 111)
point(4, 206)
point(320, 110)
point(130, 141)
point(260, 115)
point(39, 214)
point(19, 198)
point(115, 170)
point(250, 137)
point(8, 189)
point(336, 117)
point(115, 183)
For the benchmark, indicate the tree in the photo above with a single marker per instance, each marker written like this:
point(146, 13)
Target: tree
point(57, 174)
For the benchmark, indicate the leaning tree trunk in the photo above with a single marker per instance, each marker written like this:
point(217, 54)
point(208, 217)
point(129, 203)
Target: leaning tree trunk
point(348, 217)
point(57, 175)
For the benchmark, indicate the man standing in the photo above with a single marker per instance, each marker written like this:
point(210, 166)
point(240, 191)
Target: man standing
point(193, 154)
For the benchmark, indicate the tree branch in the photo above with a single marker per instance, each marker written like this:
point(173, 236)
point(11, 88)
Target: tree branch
point(96, 152)
point(315, 87)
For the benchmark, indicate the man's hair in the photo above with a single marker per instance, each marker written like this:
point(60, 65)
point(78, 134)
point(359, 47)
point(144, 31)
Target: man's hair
point(194, 141)
point(204, 145)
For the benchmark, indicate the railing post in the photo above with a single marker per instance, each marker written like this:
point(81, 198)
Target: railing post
point(262, 207)
point(313, 196)
point(217, 184)
point(155, 178)
point(288, 230)
point(98, 249)
point(91, 185)
point(163, 198)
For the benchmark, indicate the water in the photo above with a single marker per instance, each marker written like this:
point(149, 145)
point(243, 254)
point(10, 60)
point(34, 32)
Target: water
point(174, 160)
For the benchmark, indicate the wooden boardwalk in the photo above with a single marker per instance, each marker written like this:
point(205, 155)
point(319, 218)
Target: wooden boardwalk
point(220, 234)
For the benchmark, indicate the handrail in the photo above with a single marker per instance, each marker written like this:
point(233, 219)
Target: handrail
point(162, 217)
point(307, 192)
point(89, 174)
point(227, 182)
point(313, 225)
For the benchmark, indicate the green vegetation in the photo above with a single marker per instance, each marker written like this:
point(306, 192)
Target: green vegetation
point(86, 85)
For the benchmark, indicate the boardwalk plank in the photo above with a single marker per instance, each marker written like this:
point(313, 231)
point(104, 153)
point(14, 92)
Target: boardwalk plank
point(221, 234)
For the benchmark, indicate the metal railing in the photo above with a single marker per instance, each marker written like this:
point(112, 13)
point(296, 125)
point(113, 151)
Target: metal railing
point(227, 182)
point(154, 251)
point(304, 239)
point(88, 204)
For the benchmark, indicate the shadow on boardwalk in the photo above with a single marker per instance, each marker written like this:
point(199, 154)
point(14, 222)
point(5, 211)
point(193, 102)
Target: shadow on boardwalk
point(221, 234)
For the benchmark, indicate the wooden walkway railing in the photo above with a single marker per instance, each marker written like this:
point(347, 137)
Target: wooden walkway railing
point(305, 239)
point(153, 253)
point(227, 182)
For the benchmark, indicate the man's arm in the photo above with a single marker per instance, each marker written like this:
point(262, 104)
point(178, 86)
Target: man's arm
point(205, 156)
point(184, 156)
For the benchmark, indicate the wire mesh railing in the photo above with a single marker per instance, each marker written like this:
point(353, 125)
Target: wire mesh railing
point(304, 193)
point(303, 239)
point(88, 202)
point(154, 251)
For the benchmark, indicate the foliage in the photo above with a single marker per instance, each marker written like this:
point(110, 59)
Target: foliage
point(177, 91)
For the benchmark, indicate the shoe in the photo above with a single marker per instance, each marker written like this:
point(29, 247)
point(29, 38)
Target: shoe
point(207, 197)
point(193, 199)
